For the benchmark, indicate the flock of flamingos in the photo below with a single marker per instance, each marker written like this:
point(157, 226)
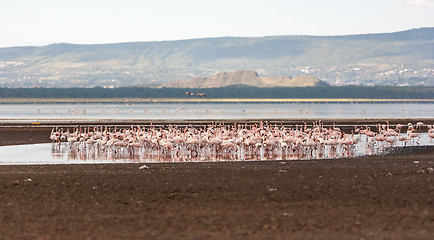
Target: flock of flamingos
point(217, 141)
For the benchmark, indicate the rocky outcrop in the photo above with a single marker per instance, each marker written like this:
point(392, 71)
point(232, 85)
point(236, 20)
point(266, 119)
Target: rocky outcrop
point(245, 78)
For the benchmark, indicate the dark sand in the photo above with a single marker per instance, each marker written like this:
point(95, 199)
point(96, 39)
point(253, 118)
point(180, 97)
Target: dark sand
point(382, 197)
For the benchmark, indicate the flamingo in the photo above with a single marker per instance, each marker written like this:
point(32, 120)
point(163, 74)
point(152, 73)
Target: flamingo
point(419, 125)
point(414, 135)
point(259, 141)
point(401, 137)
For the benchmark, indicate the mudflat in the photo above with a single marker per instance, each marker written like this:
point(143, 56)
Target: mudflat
point(381, 197)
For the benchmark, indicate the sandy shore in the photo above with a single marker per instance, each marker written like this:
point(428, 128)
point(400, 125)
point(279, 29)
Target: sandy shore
point(381, 197)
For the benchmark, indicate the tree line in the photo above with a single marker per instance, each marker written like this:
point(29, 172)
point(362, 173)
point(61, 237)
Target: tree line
point(374, 92)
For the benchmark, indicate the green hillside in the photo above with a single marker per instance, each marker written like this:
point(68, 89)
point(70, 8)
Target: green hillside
point(402, 58)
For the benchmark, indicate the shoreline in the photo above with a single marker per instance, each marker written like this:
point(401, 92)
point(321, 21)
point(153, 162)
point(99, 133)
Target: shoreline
point(386, 196)
point(285, 121)
point(378, 197)
point(207, 100)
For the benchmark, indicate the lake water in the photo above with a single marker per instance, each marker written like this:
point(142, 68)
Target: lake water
point(216, 111)
point(48, 153)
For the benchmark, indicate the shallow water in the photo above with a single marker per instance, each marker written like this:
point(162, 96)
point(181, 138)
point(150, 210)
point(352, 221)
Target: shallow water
point(64, 154)
point(216, 111)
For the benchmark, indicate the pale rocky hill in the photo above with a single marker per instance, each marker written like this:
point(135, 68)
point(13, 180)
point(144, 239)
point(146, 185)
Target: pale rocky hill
point(247, 78)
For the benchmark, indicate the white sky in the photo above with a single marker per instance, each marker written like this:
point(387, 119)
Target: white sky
point(42, 22)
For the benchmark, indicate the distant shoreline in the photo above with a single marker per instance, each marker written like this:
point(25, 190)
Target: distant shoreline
point(207, 100)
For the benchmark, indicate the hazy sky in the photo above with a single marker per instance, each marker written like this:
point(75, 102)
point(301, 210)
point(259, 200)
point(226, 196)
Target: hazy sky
point(42, 22)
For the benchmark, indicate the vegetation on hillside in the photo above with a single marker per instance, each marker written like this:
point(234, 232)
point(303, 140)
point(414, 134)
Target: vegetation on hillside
point(402, 58)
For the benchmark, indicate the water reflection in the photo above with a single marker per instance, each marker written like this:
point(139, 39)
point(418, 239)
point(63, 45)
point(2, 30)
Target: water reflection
point(65, 154)
point(76, 153)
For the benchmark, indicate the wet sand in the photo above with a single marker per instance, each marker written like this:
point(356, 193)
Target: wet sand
point(381, 197)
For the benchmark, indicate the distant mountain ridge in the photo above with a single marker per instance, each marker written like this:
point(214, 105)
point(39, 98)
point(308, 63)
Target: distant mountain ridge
point(245, 78)
point(401, 58)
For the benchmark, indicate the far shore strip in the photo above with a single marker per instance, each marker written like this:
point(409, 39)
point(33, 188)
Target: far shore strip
point(209, 100)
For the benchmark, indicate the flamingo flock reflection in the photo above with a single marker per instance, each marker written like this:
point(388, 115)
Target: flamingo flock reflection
point(238, 142)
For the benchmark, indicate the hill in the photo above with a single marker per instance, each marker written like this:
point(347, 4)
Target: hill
point(246, 78)
point(401, 58)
